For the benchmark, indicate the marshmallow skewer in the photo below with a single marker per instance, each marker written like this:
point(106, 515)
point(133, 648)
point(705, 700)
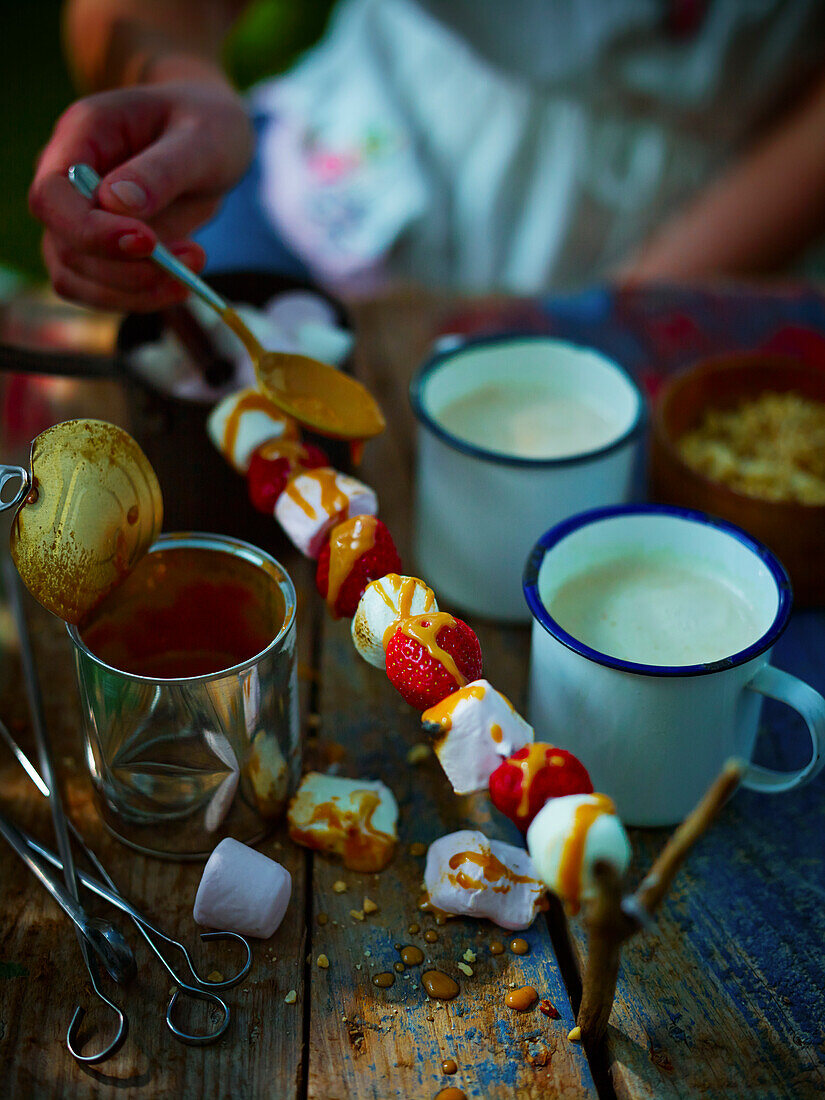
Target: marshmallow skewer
point(611, 919)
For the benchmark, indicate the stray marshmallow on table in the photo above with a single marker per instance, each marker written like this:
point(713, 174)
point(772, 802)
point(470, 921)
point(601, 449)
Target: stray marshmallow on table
point(474, 729)
point(383, 604)
point(353, 818)
point(243, 421)
point(315, 500)
point(243, 891)
point(471, 876)
point(567, 869)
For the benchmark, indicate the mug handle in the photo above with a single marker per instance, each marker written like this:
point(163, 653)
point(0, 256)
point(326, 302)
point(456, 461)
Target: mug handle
point(810, 705)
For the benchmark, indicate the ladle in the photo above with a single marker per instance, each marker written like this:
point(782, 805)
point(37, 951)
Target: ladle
point(313, 393)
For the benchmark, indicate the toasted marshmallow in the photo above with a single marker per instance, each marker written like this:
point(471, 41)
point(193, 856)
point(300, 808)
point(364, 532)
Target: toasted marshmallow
point(473, 729)
point(354, 818)
point(471, 876)
point(315, 500)
point(244, 420)
point(242, 890)
point(563, 862)
point(383, 605)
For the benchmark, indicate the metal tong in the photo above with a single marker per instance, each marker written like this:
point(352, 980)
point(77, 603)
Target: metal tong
point(34, 851)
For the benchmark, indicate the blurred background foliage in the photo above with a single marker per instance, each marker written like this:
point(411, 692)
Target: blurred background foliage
point(267, 39)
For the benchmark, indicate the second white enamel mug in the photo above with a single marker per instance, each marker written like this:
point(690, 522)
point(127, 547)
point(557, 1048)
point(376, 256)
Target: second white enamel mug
point(478, 511)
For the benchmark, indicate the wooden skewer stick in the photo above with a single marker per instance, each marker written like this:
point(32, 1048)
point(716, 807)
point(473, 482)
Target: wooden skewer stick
point(611, 919)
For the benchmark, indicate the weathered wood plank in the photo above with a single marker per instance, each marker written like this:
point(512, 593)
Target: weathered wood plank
point(41, 973)
point(725, 997)
point(369, 1042)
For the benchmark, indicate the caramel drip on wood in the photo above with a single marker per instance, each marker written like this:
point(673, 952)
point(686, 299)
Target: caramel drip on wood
point(348, 542)
point(412, 955)
point(451, 1093)
point(449, 1066)
point(425, 629)
point(572, 856)
point(442, 713)
point(385, 980)
point(439, 986)
point(333, 501)
point(492, 870)
point(400, 603)
point(519, 946)
point(521, 999)
point(249, 402)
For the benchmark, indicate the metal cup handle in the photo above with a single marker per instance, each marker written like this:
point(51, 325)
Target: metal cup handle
point(7, 474)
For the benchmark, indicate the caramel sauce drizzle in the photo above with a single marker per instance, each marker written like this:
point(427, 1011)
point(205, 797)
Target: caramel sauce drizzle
point(400, 603)
point(442, 713)
point(252, 401)
point(492, 870)
point(572, 856)
point(496, 734)
point(348, 542)
point(530, 766)
point(364, 848)
point(425, 629)
point(333, 500)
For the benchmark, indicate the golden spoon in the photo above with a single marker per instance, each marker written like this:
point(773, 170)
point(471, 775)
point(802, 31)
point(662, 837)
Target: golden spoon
point(313, 393)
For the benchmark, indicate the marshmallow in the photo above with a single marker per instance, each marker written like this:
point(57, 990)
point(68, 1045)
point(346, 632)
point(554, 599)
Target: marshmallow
point(382, 606)
point(354, 818)
point(244, 420)
point(269, 774)
point(474, 728)
point(562, 861)
point(315, 500)
point(242, 890)
point(471, 876)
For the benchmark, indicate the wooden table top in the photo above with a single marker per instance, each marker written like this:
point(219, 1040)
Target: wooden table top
point(724, 998)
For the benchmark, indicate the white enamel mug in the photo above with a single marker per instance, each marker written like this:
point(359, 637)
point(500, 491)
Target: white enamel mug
point(479, 511)
point(653, 737)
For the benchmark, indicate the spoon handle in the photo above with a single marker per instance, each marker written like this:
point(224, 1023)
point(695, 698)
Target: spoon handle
point(86, 180)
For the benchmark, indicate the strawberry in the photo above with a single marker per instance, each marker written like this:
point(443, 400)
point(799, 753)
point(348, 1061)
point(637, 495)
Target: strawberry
point(359, 550)
point(424, 654)
point(273, 464)
point(521, 785)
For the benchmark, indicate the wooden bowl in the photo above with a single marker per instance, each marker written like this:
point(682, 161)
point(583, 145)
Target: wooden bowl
point(795, 532)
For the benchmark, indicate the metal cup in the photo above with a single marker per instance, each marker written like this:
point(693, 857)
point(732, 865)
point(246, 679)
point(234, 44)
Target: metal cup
point(178, 764)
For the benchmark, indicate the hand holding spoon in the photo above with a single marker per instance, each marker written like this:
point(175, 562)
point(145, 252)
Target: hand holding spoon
point(313, 393)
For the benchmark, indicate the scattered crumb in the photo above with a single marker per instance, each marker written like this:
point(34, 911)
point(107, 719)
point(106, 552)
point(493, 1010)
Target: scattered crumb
point(465, 969)
point(339, 887)
point(418, 753)
point(368, 954)
point(357, 914)
point(469, 955)
point(215, 976)
point(291, 997)
point(358, 966)
point(322, 918)
point(173, 990)
point(575, 1036)
point(418, 849)
point(344, 1019)
point(370, 906)
point(547, 1008)
point(323, 962)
